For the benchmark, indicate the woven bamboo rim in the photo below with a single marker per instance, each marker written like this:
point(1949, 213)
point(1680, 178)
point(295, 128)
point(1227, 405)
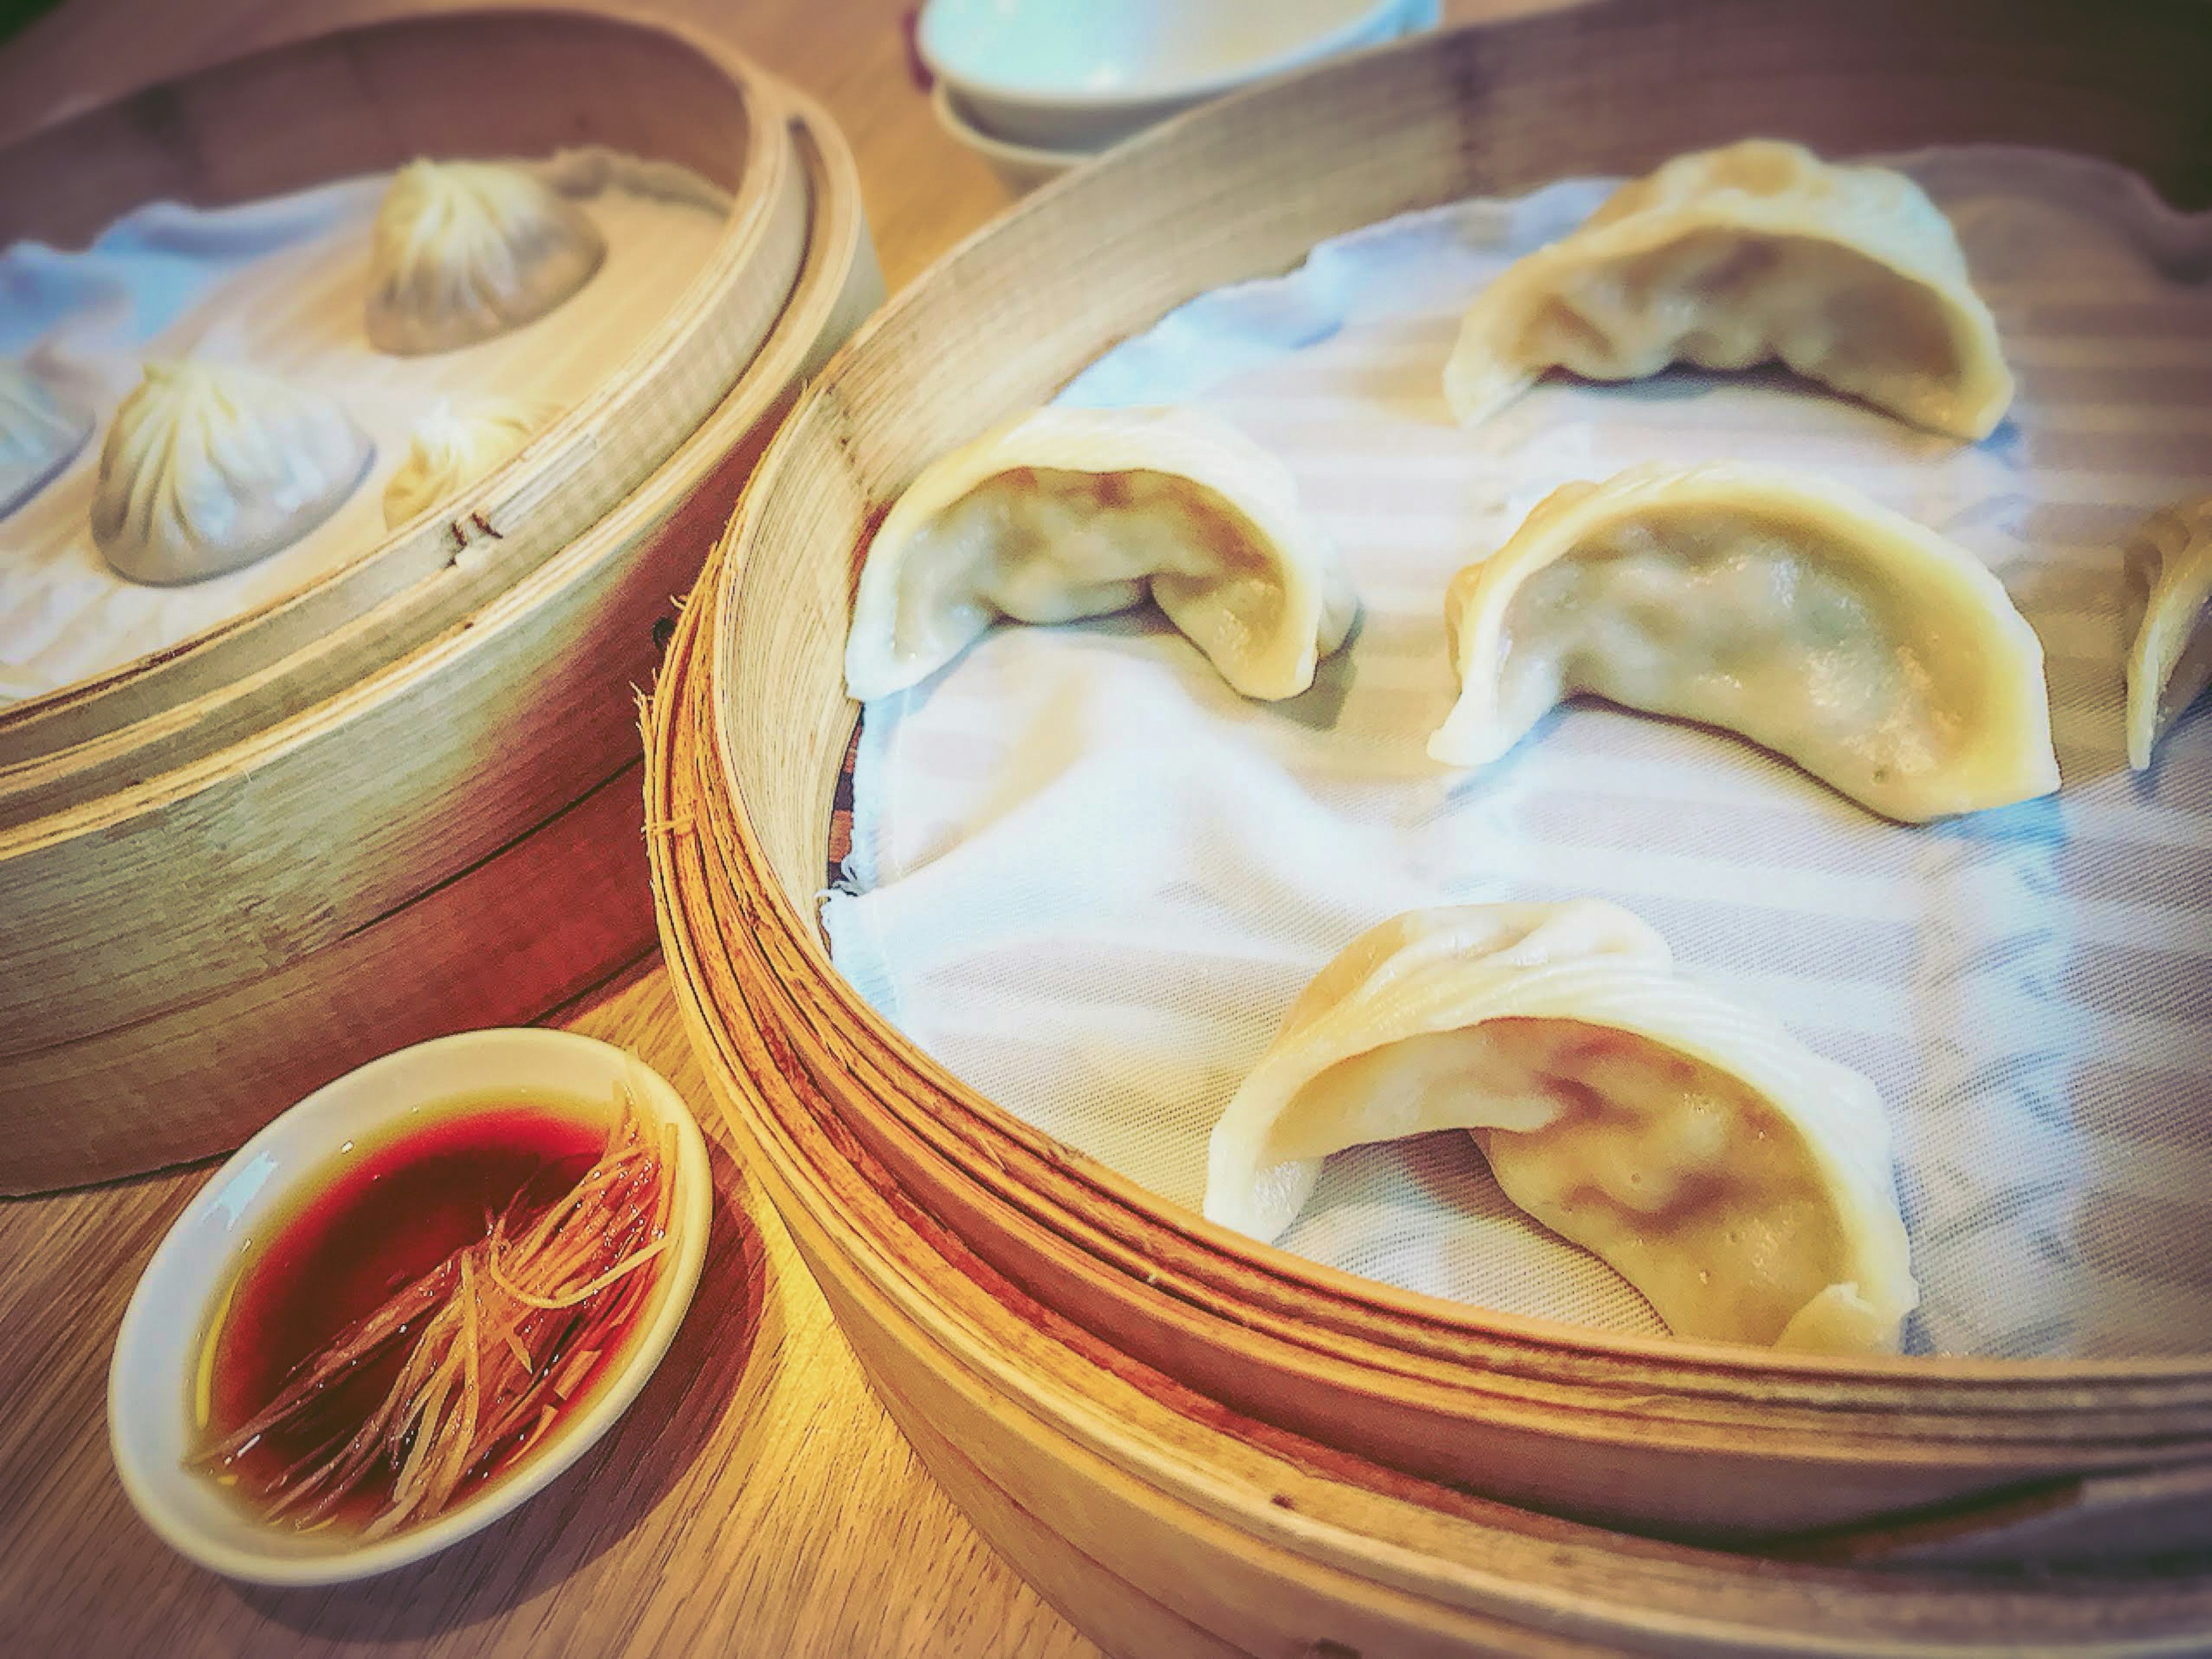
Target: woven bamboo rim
point(1694, 1441)
point(358, 99)
point(496, 873)
point(67, 977)
point(1157, 1521)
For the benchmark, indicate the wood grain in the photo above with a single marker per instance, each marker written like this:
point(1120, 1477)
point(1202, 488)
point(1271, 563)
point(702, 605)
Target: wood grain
point(1168, 1525)
point(314, 842)
point(757, 1500)
point(361, 99)
point(1701, 1443)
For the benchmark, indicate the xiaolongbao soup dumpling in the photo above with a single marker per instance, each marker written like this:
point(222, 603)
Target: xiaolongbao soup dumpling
point(1072, 512)
point(452, 448)
point(2170, 663)
point(1738, 1180)
point(1883, 659)
point(207, 468)
point(38, 434)
point(1759, 253)
point(464, 251)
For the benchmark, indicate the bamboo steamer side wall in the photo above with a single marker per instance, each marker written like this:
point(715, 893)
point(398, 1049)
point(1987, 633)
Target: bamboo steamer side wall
point(452, 841)
point(1214, 198)
point(84, 828)
point(1160, 1523)
point(521, 82)
point(361, 100)
point(470, 568)
point(1699, 1440)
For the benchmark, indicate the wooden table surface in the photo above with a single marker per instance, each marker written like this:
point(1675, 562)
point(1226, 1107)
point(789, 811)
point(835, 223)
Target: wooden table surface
point(756, 1500)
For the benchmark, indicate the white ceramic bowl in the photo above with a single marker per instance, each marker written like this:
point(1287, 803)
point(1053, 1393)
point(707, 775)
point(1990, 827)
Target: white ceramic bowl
point(1020, 167)
point(149, 1387)
point(1078, 74)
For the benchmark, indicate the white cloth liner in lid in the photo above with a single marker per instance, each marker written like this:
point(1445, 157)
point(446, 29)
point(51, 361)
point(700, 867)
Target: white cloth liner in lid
point(1088, 877)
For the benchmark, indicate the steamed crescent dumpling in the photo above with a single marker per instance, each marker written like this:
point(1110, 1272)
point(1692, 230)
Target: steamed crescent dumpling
point(1738, 1181)
point(1879, 657)
point(1727, 259)
point(452, 448)
point(207, 468)
point(465, 250)
point(39, 435)
point(2172, 662)
point(1073, 513)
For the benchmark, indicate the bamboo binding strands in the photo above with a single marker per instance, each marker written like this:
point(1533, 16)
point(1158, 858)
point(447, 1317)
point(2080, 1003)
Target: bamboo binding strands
point(961, 1242)
point(449, 841)
point(1158, 1522)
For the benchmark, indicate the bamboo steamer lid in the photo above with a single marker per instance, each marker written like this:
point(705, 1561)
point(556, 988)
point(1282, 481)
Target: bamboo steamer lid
point(1701, 1443)
point(452, 840)
point(367, 100)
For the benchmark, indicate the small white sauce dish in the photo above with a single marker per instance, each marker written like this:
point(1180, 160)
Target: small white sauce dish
point(1021, 167)
point(1077, 76)
point(150, 1425)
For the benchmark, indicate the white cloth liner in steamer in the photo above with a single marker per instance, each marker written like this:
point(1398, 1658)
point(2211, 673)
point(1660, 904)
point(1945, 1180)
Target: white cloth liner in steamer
point(279, 285)
point(1088, 877)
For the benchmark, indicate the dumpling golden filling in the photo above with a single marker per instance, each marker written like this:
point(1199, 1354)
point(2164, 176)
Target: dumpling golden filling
point(1738, 1181)
point(2172, 661)
point(1883, 659)
point(1756, 253)
point(1069, 513)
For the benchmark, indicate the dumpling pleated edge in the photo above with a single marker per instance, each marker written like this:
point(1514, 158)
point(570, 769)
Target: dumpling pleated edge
point(2171, 661)
point(465, 252)
point(1319, 605)
point(1874, 214)
point(1453, 968)
point(2010, 758)
point(208, 467)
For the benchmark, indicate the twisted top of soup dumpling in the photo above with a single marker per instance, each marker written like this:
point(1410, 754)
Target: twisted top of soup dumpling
point(465, 251)
point(39, 433)
point(208, 467)
point(453, 447)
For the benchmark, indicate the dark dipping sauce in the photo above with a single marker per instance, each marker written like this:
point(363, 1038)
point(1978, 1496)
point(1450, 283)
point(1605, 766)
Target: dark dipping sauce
point(380, 1217)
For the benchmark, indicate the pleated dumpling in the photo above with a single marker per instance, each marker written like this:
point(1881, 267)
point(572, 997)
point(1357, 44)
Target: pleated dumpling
point(207, 468)
point(39, 435)
point(1073, 513)
point(452, 448)
point(465, 250)
point(1727, 259)
point(2172, 662)
point(1883, 659)
point(1738, 1181)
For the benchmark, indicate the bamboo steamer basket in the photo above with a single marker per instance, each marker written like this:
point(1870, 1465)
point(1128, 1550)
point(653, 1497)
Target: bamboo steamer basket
point(1163, 1522)
point(452, 841)
point(1896, 1461)
point(367, 100)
